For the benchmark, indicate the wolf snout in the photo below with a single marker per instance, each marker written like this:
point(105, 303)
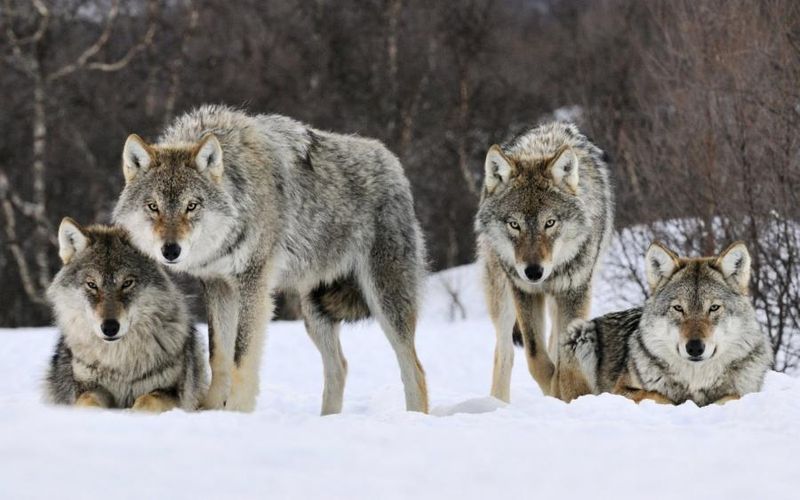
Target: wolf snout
point(534, 272)
point(171, 251)
point(695, 348)
point(110, 327)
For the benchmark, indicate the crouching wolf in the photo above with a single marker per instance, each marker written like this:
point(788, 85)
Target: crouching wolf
point(251, 204)
point(126, 340)
point(544, 220)
point(696, 338)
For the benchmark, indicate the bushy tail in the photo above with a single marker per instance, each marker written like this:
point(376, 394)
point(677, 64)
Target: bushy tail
point(516, 336)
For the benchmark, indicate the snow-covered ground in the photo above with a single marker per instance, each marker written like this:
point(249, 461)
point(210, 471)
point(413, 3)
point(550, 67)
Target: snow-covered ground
point(470, 447)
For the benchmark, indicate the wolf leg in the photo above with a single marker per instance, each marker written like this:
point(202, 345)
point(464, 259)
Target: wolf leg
point(390, 289)
point(530, 317)
point(95, 399)
point(501, 310)
point(222, 303)
point(570, 381)
point(727, 399)
point(324, 332)
point(255, 308)
point(155, 402)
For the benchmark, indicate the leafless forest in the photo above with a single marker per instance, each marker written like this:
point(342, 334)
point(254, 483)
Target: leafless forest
point(698, 103)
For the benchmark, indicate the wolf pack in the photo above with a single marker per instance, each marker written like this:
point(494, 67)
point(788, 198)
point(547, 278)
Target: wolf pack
point(251, 205)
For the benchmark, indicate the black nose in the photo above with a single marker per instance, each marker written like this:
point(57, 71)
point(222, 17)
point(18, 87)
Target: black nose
point(110, 327)
point(171, 251)
point(695, 348)
point(534, 272)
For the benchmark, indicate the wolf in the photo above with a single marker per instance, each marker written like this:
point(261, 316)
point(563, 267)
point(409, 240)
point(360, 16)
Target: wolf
point(251, 204)
point(543, 222)
point(126, 339)
point(695, 339)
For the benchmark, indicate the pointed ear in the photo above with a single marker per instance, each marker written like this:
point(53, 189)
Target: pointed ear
point(660, 264)
point(499, 168)
point(208, 156)
point(136, 157)
point(735, 265)
point(564, 169)
point(71, 239)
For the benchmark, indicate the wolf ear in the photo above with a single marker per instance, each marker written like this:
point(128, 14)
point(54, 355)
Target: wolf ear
point(660, 264)
point(735, 265)
point(136, 157)
point(208, 156)
point(564, 169)
point(71, 239)
point(499, 168)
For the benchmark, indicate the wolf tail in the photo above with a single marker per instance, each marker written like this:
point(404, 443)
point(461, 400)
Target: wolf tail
point(341, 300)
point(516, 336)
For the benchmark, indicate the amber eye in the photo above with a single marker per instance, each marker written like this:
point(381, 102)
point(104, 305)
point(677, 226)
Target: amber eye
point(191, 206)
point(152, 207)
point(513, 225)
point(127, 284)
point(550, 223)
point(91, 285)
point(714, 307)
point(678, 308)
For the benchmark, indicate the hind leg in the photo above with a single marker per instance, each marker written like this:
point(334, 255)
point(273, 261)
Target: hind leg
point(501, 310)
point(324, 332)
point(392, 297)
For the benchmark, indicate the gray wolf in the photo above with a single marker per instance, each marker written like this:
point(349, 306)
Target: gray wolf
point(695, 339)
point(251, 204)
point(544, 220)
point(126, 339)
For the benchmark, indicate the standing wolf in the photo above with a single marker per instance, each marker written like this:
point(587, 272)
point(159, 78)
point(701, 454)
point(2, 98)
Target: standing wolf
point(126, 340)
point(544, 220)
point(252, 204)
point(696, 338)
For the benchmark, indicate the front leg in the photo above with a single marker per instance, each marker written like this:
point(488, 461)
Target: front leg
point(255, 308)
point(155, 402)
point(571, 382)
point(530, 317)
point(222, 304)
point(501, 309)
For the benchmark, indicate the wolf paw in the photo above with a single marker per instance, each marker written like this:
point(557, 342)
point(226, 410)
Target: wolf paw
point(153, 403)
point(581, 342)
point(217, 396)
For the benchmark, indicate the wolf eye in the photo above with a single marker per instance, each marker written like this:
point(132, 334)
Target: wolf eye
point(678, 308)
point(550, 223)
point(513, 225)
point(127, 284)
point(91, 285)
point(191, 206)
point(152, 207)
point(714, 307)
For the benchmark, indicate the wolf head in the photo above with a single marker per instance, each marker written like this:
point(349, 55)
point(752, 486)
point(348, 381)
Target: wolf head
point(173, 203)
point(531, 211)
point(699, 306)
point(105, 284)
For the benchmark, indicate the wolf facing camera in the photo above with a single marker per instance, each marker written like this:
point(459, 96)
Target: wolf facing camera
point(126, 340)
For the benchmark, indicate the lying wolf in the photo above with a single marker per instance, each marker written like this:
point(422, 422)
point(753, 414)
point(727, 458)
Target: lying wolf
point(126, 340)
point(695, 339)
point(256, 203)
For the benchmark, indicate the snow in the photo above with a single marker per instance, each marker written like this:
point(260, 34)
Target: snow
point(471, 446)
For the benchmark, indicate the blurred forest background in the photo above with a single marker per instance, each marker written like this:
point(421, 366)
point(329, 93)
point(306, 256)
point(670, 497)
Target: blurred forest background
point(697, 102)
